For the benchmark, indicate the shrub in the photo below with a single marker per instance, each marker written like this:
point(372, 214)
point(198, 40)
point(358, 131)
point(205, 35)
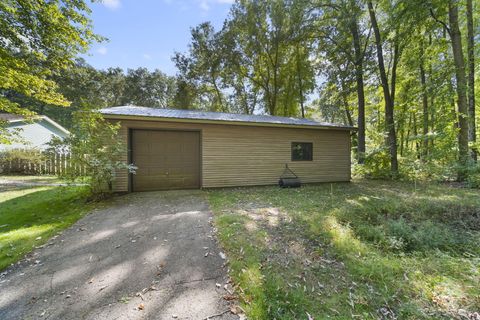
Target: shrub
point(473, 176)
point(94, 145)
point(21, 161)
point(376, 166)
point(403, 235)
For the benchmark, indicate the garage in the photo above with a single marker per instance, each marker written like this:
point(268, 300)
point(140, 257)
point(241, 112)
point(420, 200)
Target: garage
point(166, 159)
point(185, 149)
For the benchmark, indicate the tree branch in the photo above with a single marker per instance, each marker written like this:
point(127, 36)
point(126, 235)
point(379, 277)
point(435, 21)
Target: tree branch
point(440, 21)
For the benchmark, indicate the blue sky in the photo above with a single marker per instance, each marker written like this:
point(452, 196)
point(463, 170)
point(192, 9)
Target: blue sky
point(146, 33)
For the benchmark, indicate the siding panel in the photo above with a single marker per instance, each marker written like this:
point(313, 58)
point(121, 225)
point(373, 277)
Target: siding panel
point(235, 155)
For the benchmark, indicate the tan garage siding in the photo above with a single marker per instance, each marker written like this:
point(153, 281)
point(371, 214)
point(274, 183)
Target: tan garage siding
point(236, 155)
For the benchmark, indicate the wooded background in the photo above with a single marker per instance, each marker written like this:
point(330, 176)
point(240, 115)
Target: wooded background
point(403, 72)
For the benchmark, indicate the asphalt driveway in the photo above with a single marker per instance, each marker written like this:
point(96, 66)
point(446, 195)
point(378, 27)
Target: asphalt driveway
point(148, 256)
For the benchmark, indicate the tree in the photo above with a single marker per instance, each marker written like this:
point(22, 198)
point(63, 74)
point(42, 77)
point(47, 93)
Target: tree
point(461, 86)
point(269, 45)
point(358, 63)
point(39, 39)
point(453, 30)
point(342, 39)
point(151, 89)
point(388, 93)
point(94, 145)
point(472, 132)
point(185, 95)
point(203, 65)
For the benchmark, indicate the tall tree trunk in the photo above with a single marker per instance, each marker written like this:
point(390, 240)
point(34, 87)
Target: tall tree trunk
point(389, 102)
point(402, 130)
point(360, 91)
point(218, 93)
point(432, 123)
point(415, 134)
point(472, 132)
point(461, 87)
point(300, 84)
point(432, 102)
point(408, 132)
point(423, 81)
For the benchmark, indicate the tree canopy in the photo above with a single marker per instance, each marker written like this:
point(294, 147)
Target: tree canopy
point(38, 40)
point(403, 72)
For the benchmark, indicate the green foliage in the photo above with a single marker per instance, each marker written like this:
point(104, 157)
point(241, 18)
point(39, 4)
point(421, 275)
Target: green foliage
point(16, 160)
point(270, 56)
point(204, 66)
point(92, 89)
point(377, 165)
point(367, 248)
point(39, 39)
point(473, 176)
point(259, 60)
point(277, 57)
point(94, 145)
point(30, 216)
point(144, 88)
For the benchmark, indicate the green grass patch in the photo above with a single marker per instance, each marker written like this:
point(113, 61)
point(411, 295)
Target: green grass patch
point(32, 179)
point(30, 216)
point(366, 249)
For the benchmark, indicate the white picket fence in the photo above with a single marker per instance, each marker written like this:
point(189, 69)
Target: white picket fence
point(53, 164)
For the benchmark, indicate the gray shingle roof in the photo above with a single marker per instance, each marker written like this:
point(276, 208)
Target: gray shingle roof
point(215, 116)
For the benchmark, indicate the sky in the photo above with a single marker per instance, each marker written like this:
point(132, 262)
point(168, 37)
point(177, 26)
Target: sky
point(146, 33)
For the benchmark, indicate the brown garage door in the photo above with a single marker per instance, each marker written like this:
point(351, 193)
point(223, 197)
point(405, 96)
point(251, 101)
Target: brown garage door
point(165, 160)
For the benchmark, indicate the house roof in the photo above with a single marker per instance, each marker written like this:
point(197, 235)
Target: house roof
point(205, 116)
point(9, 117)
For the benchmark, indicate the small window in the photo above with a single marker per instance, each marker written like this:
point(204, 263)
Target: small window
point(302, 151)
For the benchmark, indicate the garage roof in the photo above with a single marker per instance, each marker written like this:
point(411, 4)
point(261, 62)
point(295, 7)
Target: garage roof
point(205, 116)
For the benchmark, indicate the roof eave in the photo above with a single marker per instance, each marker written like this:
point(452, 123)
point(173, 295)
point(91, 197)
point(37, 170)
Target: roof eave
point(228, 122)
point(55, 124)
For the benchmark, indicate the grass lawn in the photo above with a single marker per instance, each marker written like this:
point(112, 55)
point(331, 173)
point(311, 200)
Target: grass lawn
point(31, 179)
point(365, 250)
point(29, 216)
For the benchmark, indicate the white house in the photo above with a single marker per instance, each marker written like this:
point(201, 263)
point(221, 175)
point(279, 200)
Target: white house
point(32, 133)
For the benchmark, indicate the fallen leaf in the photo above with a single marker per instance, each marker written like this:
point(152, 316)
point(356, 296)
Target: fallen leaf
point(235, 309)
point(229, 297)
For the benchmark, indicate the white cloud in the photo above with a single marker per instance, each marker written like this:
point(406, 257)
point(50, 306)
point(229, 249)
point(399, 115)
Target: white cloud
point(102, 50)
point(206, 4)
point(112, 4)
point(147, 56)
